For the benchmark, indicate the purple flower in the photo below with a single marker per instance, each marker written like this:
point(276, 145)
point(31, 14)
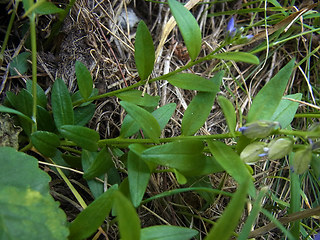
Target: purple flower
point(317, 237)
point(249, 36)
point(230, 28)
point(259, 129)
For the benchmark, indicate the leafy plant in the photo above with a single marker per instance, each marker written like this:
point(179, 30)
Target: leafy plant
point(55, 126)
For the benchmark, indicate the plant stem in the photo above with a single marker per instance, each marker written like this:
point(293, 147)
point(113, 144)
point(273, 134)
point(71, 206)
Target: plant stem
point(6, 38)
point(32, 18)
point(142, 82)
point(164, 140)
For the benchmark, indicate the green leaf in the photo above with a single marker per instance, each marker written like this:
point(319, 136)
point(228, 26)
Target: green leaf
point(167, 233)
point(229, 113)
point(23, 102)
point(254, 213)
point(41, 96)
point(47, 8)
point(188, 27)
point(295, 199)
point(231, 162)
point(180, 178)
point(135, 96)
point(13, 111)
point(101, 164)
point(162, 114)
point(14, 163)
point(267, 100)
point(78, 97)
point(84, 80)
point(45, 142)
point(237, 57)
point(26, 214)
point(145, 119)
point(45, 120)
point(144, 55)
point(192, 82)
point(224, 227)
point(185, 156)
point(87, 160)
point(138, 175)
point(83, 136)
point(128, 220)
point(199, 108)
point(82, 115)
point(88, 221)
point(286, 110)
point(25, 200)
point(61, 104)
point(20, 64)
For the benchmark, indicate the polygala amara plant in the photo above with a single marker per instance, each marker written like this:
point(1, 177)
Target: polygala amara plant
point(56, 128)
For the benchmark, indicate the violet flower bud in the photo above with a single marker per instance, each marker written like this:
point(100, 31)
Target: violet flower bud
point(253, 152)
point(278, 148)
point(301, 160)
point(231, 29)
point(259, 129)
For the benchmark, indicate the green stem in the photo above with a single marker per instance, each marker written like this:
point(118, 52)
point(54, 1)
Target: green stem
point(124, 141)
point(163, 77)
point(32, 18)
point(6, 38)
point(307, 115)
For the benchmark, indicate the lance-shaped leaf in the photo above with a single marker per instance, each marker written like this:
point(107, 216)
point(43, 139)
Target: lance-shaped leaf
point(61, 104)
point(100, 165)
point(144, 55)
point(88, 221)
point(188, 27)
point(135, 96)
point(228, 112)
point(229, 220)
point(231, 162)
point(82, 115)
point(45, 142)
point(87, 159)
point(41, 96)
point(200, 107)
point(145, 119)
point(138, 175)
point(84, 80)
point(192, 82)
point(162, 114)
point(13, 111)
point(237, 57)
point(167, 233)
point(286, 110)
point(128, 220)
point(185, 156)
point(267, 100)
point(83, 136)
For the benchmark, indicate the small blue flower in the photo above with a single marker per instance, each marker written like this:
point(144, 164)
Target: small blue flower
point(249, 36)
point(317, 237)
point(231, 29)
point(259, 129)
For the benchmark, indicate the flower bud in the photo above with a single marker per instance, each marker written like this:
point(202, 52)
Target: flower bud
point(253, 152)
point(301, 160)
point(278, 148)
point(259, 129)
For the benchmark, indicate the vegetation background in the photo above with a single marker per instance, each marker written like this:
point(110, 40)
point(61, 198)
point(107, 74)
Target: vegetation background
point(97, 34)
